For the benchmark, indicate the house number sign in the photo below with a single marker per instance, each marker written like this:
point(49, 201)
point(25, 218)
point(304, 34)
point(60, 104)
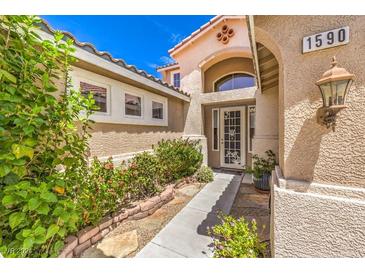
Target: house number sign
point(327, 39)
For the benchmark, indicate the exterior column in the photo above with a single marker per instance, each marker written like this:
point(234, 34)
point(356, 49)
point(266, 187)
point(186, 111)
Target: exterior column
point(266, 131)
point(193, 112)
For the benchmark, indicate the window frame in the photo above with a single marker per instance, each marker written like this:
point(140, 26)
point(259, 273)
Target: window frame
point(163, 109)
point(137, 94)
point(218, 129)
point(249, 127)
point(173, 80)
point(108, 94)
point(230, 73)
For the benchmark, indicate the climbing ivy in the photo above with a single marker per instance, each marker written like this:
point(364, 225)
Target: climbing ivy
point(40, 129)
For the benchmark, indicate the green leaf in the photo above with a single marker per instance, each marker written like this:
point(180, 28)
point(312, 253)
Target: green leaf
point(49, 197)
point(62, 232)
point(4, 170)
point(28, 243)
point(34, 203)
point(52, 230)
point(40, 230)
point(15, 219)
point(58, 246)
point(40, 239)
point(19, 170)
point(26, 232)
point(18, 162)
point(20, 151)
point(28, 130)
point(43, 209)
point(8, 76)
point(8, 200)
point(30, 142)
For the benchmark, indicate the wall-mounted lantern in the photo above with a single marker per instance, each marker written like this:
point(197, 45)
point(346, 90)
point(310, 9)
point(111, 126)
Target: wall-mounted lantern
point(334, 86)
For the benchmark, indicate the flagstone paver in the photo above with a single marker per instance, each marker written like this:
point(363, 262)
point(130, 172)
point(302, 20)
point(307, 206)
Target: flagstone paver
point(251, 204)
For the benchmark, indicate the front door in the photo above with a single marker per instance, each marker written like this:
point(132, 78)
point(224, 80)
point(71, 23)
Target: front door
point(232, 124)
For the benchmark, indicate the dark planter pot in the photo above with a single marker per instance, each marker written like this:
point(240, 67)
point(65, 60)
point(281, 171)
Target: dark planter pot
point(263, 184)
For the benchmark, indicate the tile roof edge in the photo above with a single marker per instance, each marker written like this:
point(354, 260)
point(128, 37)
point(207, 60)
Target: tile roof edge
point(44, 26)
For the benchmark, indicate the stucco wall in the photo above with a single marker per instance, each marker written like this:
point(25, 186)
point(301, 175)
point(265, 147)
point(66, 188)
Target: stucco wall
point(198, 56)
point(225, 67)
point(267, 123)
point(310, 151)
point(115, 139)
point(316, 220)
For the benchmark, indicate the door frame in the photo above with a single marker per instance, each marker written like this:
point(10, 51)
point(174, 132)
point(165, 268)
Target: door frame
point(243, 136)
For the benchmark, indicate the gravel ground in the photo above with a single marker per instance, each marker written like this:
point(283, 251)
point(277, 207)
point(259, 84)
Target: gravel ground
point(148, 227)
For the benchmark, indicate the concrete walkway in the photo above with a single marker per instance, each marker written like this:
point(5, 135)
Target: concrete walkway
point(185, 236)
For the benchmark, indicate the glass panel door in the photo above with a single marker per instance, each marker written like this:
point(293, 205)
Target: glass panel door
point(232, 137)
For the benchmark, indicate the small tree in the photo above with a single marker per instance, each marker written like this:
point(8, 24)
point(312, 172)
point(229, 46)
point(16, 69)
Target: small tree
point(38, 133)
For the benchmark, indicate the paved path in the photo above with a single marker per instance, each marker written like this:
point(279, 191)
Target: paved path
point(186, 234)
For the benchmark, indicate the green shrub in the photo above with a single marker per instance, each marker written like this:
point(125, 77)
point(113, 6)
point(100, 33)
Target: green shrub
point(101, 193)
point(37, 134)
point(261, 165)
point(141, 176)
point(41, 134)
point(236, 238)
point(177, 158)
point(204, 174)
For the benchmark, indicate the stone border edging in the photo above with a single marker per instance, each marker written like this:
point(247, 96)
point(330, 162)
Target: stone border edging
point(75, 245)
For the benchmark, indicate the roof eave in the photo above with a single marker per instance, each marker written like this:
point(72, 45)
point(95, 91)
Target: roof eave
point(251, 35)
point(199, 32)
point(106, 61)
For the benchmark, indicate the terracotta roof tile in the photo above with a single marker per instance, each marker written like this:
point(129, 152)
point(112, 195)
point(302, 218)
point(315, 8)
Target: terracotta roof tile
point(107, 56)
point(167, 65)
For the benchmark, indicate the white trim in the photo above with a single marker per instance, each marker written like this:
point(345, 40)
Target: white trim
point(218, 129)
point(248, 126)
point(117, 99)
point(243, 136)
point(233, 72)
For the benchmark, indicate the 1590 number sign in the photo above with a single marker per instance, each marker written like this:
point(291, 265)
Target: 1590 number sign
point(327, 39)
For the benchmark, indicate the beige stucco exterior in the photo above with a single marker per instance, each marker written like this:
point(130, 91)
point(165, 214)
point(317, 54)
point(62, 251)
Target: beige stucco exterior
point(225, 67)
point(311, 152)
point(116, 139)
point(318, 200)
point(318, 187)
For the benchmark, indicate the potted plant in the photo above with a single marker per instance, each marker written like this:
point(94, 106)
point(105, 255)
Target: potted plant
point(261, 170)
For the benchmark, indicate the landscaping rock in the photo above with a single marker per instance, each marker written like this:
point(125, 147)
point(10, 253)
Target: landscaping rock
point(70, 243)
point(80, 248)
point(120, 216)
point(105, 222)
point(87, 233)
point(189, 190)
point(96, 238)
point(167, 194)
point(152, 210)
point(150, 203)
point(133, 210)
point(138, 216)
point(119, 246)
point(105, 232)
